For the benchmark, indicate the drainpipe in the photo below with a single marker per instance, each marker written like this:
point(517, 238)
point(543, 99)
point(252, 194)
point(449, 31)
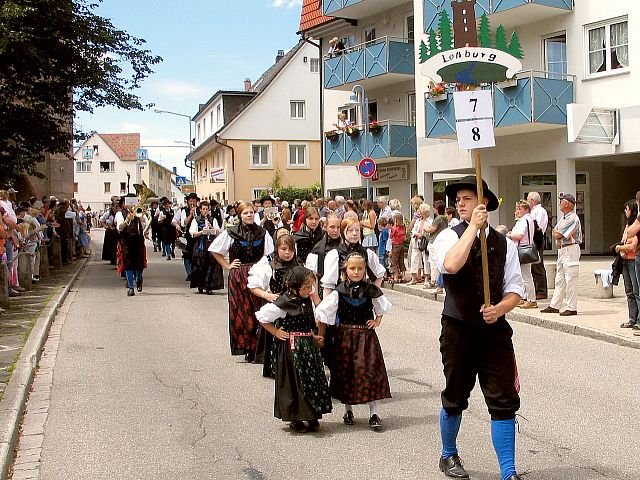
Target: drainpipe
point(233, 164)
point(321, 73)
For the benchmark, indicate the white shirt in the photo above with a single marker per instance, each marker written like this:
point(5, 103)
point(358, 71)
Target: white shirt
point(119, 219)
point(223, 243)
point(512, 282)
point(420, 224)
point(193, 227)
point(260, 275)
point(521, 228)
point(332, 269)
point(386, 212)
point(541, 216)
point(326, 311)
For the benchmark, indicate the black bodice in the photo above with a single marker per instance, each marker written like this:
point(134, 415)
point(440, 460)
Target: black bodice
point(276, 284)
point(354, 311)
point(246, 253)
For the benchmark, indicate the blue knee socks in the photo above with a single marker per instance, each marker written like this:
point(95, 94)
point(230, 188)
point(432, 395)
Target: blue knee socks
point(129, 274)
point(449, 427)
point(503, 435)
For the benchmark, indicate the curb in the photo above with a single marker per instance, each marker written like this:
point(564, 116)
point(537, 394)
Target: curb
point(17, 391)
point(548, 323)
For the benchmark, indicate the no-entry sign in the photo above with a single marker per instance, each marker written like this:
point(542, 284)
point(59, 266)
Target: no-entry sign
point(367, 167)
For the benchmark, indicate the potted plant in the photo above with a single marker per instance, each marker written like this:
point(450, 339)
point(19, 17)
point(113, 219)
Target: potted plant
point(332, 135)
point(438, 92)
point(375, 127)
point(509, 83)
point(352, 130)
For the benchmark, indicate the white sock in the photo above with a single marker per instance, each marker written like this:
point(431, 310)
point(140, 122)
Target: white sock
point(347, 408)
point(373, 409)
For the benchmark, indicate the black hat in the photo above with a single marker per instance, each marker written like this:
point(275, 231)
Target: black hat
point(567, 196)
point(267, 199)
point(192, 195)
point(469, 183)
point(164, 200)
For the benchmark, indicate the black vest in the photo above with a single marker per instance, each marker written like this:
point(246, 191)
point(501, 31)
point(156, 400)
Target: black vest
point(465, 289)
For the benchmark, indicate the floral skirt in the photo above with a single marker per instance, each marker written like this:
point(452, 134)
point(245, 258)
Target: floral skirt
point(301, 390)
point(243, 305)
point(358, 373)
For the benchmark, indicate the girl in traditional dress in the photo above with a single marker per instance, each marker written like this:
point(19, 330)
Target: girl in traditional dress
point(356, 306)
point(246, 243)
point(301, 391)
point(266, 281)
point(309, 234)
point(206, 273)
point(133, 250)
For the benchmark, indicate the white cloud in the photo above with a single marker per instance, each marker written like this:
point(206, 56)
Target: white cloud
point(179, 89)
point(286, 3)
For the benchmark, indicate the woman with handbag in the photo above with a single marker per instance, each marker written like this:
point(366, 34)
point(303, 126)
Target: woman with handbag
point(419, 241)
point(627, 250)
point(522, 236)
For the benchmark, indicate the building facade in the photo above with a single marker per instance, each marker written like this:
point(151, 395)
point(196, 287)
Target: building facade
point(270, 135)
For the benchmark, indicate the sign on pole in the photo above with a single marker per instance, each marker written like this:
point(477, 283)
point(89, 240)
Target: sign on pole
point(367, 167)
point(143, 154)
point(87, 153)
point(474, 119)
point(180, 180)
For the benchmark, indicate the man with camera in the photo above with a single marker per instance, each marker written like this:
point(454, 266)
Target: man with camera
point(269, 216)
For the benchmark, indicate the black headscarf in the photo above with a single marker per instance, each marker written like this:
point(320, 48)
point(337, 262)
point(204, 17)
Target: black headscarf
point(289, 301)
point(247, 232)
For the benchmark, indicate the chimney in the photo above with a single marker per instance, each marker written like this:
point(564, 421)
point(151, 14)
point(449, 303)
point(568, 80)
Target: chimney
point(175, 170)
point(247, 84)
point(280, 55)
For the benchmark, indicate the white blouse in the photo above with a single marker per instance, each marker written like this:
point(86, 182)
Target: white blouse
point(193, 227)
point(332, 268)
point(269, 313)
point(312, 262)
point(223, 243)
point(260, 274)
point(326, 311)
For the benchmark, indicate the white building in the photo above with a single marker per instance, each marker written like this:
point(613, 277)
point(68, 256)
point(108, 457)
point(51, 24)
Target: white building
point(106, 165)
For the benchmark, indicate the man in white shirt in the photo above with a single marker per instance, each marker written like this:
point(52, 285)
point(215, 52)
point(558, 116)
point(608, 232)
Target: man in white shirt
point(540, 215)
point(476, 339)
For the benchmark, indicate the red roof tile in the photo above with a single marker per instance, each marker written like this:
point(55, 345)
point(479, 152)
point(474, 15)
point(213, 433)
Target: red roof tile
point(124, 145)
point(312, 15)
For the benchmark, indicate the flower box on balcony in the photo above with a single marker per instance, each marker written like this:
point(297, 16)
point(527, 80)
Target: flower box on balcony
point(438, 98)
point(332, 135)
point(512, 82)
point(352, 131)
point(375, 127)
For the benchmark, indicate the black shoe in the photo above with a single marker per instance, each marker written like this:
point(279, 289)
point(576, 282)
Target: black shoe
point(348, 418)
point(314, 425)
point(515, 476)
point(188, 279)
point(200, 290)
point(13, 293)
point(168, 257)
point(627, 325)
point(374, 422)
point(209, 292)
point(173, 254)
point(164, 254)
point(130, 292)
point(139, 286)
point(452, 467)
point(298, 427)
point(250, 357)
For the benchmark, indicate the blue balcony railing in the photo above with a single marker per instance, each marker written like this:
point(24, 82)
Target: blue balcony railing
point(432, 8)
point(368, 60)
point(534, 97)
point(332, 6)
point(392, 139)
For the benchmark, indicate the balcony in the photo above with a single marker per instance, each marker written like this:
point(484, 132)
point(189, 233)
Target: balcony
point(535, 101)
point(358, 9)
point(375, 64)
point(393, 140)
point(509, 13)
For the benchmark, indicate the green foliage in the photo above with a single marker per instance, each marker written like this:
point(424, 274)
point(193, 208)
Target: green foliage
point(446, 32)
point(433, 43)
point(290, 193)
point(501, 39)
point(424, 55)
point(514, 47)
point(484, 32)
point(58, 58)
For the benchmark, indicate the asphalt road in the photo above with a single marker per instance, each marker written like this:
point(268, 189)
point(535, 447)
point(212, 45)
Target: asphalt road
point(145, 388)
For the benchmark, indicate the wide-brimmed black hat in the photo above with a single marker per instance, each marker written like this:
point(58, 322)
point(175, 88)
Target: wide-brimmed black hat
point(192, 195)
point(469, 183)
point(164, 200)
point(267, 199)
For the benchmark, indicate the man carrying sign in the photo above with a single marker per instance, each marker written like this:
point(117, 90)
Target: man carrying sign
point(476, 340)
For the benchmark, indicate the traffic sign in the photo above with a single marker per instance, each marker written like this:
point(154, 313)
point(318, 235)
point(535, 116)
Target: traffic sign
point(87, 153)
point(181, 180)
point(367, 167)
point(143, 154)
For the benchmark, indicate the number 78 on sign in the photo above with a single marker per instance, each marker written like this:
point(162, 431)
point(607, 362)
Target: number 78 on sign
point(474, 119)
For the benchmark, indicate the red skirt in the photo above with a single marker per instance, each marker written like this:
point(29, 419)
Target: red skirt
point(243, 305)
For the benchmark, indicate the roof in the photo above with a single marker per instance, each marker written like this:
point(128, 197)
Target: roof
point(312, 15)
point(218, 94)
point(268, 76)
point(124, 145)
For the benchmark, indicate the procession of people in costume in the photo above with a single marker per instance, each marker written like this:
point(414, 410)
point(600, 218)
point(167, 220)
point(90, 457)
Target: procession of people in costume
point(312, 300)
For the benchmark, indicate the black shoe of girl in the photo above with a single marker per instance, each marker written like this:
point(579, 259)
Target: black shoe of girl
point(298, 427)
point(173, 254)
point(374, 422)
point(250, 357)
point(130, 292)
point(314, 425)
point(139, 286)
point(168, 257)
point(164, 254)
point(348, 418)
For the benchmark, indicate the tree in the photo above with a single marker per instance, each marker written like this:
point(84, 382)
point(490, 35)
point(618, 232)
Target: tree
point(501, 39)
point(58, 58)
point(484, 32)
point(424, 55)
point(446, 32)
point(433, 43)
point(514, 47)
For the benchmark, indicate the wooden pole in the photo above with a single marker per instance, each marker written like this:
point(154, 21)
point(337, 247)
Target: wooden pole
point(483, 236)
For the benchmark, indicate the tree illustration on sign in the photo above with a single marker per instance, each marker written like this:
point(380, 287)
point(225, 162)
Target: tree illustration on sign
point(446, 32)
point(501, 39)
point(433, 43)
point(484, 32)
point(422, 51)
point(514, 47)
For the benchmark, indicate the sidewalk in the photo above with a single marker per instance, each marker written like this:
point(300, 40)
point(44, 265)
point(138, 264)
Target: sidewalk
point(597, 318)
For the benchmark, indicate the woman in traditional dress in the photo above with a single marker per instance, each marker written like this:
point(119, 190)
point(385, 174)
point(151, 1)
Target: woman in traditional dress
point(167, 229)
point(358, 375)
point(309, 233)
point(301, 392)
point(133, 250)
point(266, 281)
point(206, 273)
point(246, 243)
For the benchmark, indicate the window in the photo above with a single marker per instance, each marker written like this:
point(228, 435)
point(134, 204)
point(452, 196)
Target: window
point(107, 167)
point(314, 65)
point(204, 126)
point(368, 34)
point(297, 155)
point(83, 167)
point(219, 115)
point(198, 133)
point(349, 41)
point(411, 109)
point(107, 187)
point(75, 187)
point(256, 192)
point(382, 191)
point(297, 109)
point(211, 119)
point(409, 28)
point(123, 187)
point(373, 111)
point(555, 50)
point(608, 47)
point(260, 155)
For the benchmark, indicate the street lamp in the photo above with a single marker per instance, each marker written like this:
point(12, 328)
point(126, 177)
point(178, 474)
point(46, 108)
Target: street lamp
point(190, 144)
point(359, 98)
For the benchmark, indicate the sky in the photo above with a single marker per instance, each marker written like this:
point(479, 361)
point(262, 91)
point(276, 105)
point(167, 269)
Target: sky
point(206, 46)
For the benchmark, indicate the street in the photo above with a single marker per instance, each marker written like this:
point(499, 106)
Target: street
point(145, 388)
